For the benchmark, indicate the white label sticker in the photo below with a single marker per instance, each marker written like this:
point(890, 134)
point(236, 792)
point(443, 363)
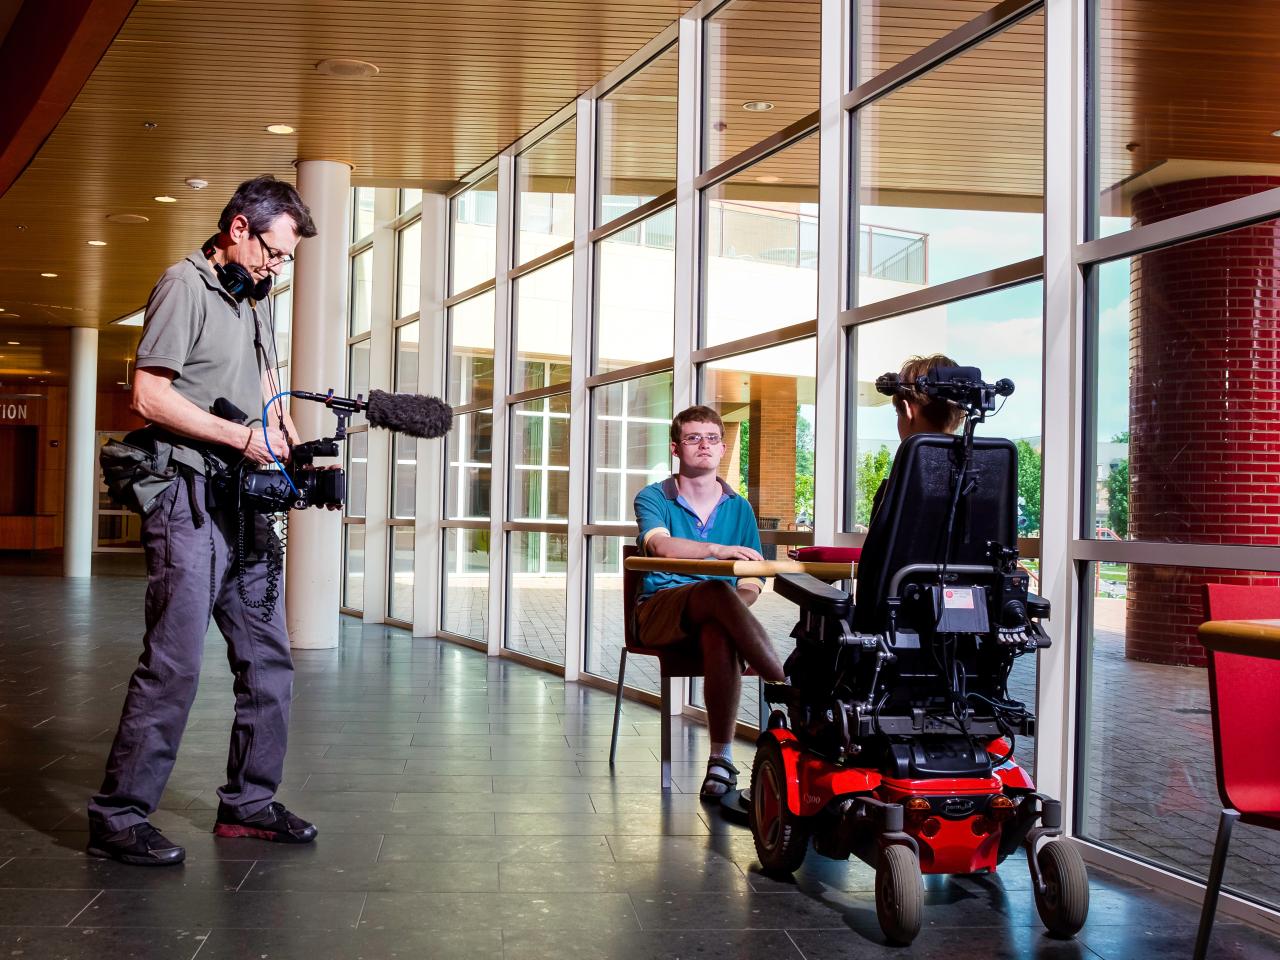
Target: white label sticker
point(958, 599)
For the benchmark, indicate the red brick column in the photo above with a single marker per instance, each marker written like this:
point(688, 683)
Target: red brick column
point(771, 461)
point(1204, 408)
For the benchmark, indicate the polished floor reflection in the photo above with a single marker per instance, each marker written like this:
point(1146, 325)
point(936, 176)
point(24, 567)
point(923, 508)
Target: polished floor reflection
point(466, 809)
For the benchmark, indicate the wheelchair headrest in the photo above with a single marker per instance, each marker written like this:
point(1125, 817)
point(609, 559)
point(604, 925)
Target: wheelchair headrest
point(910, 525)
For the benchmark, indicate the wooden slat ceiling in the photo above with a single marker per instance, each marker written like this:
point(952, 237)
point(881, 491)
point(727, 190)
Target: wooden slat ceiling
point(462, 79)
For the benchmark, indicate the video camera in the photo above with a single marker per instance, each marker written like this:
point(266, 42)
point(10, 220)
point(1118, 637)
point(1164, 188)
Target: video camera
point(303, 484)
point(962, 386)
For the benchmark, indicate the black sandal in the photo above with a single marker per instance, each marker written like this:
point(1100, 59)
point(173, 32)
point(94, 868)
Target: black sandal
point(714, 777)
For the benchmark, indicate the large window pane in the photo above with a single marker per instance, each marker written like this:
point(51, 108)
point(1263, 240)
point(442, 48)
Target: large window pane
point(951, 169)
point(604, 639)
point(1185, 113)
point(471, 350)
point(357, 472)
point(545, 179)
point(469, 478)
point(409, 199)
point(543, 321)
point(465, 606)
point(408, 269)
point(473, 239)
point(765, 398)
point(761, 67)
point(1185, 404)
point(760, 246)
point(536, 599)
point(405, 448)
point(636, 137)
point(358, 374)
point(361, 293)
point(630, 445)
point(1158, 799)
point(635, 294)
point(886, 32)
point(539, 460)
point(400, 583)
point(362, 213)
point(353, 573)
point(998, 332)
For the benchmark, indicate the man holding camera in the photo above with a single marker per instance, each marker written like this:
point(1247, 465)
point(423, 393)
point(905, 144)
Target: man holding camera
point(204, 359)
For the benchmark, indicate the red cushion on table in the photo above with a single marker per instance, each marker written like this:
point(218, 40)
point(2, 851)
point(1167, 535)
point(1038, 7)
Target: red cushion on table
point(828, 554)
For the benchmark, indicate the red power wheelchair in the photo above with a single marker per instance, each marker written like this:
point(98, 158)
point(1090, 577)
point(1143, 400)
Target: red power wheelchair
point(893, 738)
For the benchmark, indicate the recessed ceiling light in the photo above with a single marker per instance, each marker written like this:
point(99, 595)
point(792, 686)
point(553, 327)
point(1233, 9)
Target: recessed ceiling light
point(130, 217)
point(15, 343)
point(768, 178)
point(195, 183)
point(346, 68)
point(1275, 133)
point(280, 128)
point(166, 199)
point(96, 243)
point(757, 106)
point(49, 275)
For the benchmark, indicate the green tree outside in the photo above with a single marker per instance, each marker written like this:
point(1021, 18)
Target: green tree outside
point(873, 469)
point(1118, 499)
point(1030, 477)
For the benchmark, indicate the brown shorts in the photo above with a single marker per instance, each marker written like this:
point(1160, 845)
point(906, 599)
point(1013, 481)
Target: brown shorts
point(660, 620)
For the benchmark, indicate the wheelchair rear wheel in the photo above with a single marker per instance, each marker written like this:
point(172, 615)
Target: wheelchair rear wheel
point(782, 837)
point(1064, 904)
point(899, 894)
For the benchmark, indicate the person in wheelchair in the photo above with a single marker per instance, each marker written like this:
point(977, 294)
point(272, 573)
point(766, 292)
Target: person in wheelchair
point(693, 514)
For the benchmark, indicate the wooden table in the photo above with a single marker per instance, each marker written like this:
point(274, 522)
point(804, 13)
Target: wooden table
point(1251, 638)
point(741, 568)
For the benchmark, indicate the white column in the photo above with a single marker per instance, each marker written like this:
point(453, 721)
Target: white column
point(1056, 772)
point(77, 525)
point(314, 569)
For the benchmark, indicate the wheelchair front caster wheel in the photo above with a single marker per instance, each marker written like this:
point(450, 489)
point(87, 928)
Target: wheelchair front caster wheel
point(1064, 904)
point(781, 837)
point(899, 894)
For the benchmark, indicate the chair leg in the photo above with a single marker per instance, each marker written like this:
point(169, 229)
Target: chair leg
point(617, 705)
point(1212, 888)
point(665, 684)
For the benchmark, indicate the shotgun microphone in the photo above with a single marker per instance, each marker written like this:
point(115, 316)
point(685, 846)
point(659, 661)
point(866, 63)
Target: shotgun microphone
point(414, 414)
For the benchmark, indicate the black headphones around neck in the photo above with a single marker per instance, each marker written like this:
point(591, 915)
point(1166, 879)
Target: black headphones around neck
point(235, 279)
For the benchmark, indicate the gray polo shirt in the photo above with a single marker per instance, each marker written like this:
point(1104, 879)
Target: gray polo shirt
point(196, 329)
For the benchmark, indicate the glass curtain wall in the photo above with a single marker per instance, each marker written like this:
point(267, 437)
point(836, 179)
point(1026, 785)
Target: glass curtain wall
point(469, 388)
point(1179, 438)
point(405, 377)
point(359, 326)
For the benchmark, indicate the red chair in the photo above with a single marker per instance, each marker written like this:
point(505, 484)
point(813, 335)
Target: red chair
point(682, 661)
point(1244, 675)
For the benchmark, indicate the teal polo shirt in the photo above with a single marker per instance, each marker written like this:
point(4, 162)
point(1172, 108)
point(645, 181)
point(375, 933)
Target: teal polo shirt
point(660, 509)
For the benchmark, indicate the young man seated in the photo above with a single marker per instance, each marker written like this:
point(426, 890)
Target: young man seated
point(695, 515)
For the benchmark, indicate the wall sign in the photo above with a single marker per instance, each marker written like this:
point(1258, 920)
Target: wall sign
point(21, 408)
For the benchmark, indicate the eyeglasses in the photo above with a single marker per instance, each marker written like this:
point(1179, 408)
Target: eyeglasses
point(274, 257)
point(697, 439)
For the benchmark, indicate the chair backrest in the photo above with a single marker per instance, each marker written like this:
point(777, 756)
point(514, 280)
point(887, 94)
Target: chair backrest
point(632, 581)
point(911, 524)
point(1245, 706)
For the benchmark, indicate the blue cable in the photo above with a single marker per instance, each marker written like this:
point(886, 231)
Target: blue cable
point(265, 408)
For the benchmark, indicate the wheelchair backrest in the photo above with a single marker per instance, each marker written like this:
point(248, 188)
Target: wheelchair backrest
point(911, 523)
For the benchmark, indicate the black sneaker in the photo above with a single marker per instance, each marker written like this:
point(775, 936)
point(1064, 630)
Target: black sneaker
point(142, 845)
point(273, 822)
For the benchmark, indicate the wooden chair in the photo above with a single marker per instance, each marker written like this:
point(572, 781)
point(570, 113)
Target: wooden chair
point(673, 662)
point(1244, 676)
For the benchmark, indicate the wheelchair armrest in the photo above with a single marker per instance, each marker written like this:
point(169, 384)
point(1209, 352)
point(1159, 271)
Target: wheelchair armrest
point(813, 595)
point(1037, 607)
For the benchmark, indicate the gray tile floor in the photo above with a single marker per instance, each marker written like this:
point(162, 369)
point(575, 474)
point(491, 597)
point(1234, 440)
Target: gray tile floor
point(466, 809)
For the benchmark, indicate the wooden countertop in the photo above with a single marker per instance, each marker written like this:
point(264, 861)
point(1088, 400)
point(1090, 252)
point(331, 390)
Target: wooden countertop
point(1252, 638)
point(741, 568)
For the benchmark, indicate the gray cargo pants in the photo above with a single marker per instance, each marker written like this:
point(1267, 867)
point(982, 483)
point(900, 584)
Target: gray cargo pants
point(191, 576)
